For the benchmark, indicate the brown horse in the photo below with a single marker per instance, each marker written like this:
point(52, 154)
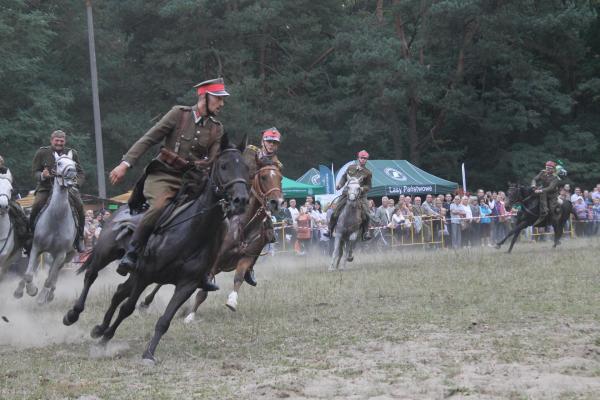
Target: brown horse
point(246, 236)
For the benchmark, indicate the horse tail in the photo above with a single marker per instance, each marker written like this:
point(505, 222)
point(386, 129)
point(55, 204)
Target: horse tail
point(85, 265)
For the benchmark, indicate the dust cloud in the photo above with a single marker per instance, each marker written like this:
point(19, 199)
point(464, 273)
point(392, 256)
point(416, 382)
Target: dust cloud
point(25, 324)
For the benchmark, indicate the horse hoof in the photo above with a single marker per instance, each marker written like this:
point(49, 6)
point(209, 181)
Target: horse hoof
point(32, 290)
point(50, 296)
point(43, 296)
point(232, 301)
point(190, 318)
point(70, 317)
point(143, 307)
point(350, 259)
point(18, 293)
point(97, 331)
point(497, 247)
point(149, 360)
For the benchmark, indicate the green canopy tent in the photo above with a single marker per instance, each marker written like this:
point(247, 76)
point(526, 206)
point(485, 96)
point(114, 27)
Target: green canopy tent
point(295, 189)
point(311, 177)
point(396, 177)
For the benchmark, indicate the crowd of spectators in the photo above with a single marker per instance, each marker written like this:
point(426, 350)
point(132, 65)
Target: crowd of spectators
point(94, 222)
point(451, 220)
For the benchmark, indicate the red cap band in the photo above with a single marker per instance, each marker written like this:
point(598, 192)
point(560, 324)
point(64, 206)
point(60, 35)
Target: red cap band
point(215, 87)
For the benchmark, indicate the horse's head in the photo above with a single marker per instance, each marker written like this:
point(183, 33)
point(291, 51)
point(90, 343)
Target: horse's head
point(353, 189)
point(230, 176)
point(516, 193)
point(5, 191)
point(66, 170)
point(266, 185)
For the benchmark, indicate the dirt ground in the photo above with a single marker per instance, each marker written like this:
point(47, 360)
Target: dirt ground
point(410, 324)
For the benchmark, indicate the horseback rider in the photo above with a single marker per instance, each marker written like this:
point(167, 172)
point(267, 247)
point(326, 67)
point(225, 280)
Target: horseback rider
point(545, 184)
point(361, 172)
point(191, 136)
point(43, 169)
point(266, 154)
point(17, 215)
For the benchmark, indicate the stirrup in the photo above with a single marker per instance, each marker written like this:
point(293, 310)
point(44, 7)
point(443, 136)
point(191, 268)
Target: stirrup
point(209, 285)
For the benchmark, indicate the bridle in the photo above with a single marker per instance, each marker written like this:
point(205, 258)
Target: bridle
point(219, 188)
point(69, 168)
point(257, 189)
point(10, 191)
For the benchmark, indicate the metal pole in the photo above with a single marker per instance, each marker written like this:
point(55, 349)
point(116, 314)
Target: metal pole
point(96, 103)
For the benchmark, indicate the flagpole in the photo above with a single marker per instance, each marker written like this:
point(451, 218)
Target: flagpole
point(464, 178)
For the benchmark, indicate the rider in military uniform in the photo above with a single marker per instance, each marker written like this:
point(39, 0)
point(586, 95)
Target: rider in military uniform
point(361, 172)
point(266, 154)
point(17, 215)
point(43, 168)
point(268, 150)
point(190, 135)
point(546, 186)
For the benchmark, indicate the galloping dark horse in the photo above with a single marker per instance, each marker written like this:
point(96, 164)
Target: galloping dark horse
point(246, 235)
point(529, 213)
point(180, 253)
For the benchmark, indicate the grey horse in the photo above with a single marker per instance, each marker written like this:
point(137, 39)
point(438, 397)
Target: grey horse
point(8, 246)
point(54, 233)
point(347, 228)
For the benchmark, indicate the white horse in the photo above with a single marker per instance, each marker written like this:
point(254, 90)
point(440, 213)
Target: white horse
point(8, 244)
point(54, 233)
point(348, 225)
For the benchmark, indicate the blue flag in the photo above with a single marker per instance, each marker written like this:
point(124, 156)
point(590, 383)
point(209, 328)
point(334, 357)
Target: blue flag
point(326, 179)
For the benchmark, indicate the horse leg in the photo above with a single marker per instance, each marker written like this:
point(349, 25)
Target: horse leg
point(558, 232)
point(520, 226)
point(47, 293)
point(238, 279)
point(96, 262)
point(27, 280)
point(337, 253)
point(137, 287)
point(515, 237)
point(122, 292)
point(350, 248)
point(201, 296)
point(182, 293)
point(150, 298)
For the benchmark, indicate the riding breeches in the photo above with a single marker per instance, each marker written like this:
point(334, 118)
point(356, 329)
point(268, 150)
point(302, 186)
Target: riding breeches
point(159, 189)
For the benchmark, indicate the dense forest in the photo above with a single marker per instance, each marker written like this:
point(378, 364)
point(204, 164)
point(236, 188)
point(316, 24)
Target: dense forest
point(502, 85)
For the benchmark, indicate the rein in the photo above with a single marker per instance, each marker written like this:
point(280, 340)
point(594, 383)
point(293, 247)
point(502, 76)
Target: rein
point(218, 189)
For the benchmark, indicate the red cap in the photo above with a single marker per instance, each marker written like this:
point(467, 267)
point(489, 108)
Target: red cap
point(550, 164)
point(216, 87)
point(363, 153)
point(272, 135)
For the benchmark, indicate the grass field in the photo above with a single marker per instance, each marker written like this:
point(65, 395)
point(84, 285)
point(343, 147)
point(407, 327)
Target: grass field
point(413, 325)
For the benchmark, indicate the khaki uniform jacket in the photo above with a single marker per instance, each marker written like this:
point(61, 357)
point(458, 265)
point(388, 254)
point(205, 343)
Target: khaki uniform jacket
point(548, 182)
point(44, 158)
point(354, 171)
point(253, 154)
point(180, 132)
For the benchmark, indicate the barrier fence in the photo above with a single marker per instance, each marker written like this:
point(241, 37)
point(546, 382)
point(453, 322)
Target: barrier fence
point(430, 232)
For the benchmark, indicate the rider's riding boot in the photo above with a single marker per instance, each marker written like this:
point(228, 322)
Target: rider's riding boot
point(27, 245)
point(249, 277)
point(209, 285)
point(79, 244)
point(366, 231)
point(329, 232)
